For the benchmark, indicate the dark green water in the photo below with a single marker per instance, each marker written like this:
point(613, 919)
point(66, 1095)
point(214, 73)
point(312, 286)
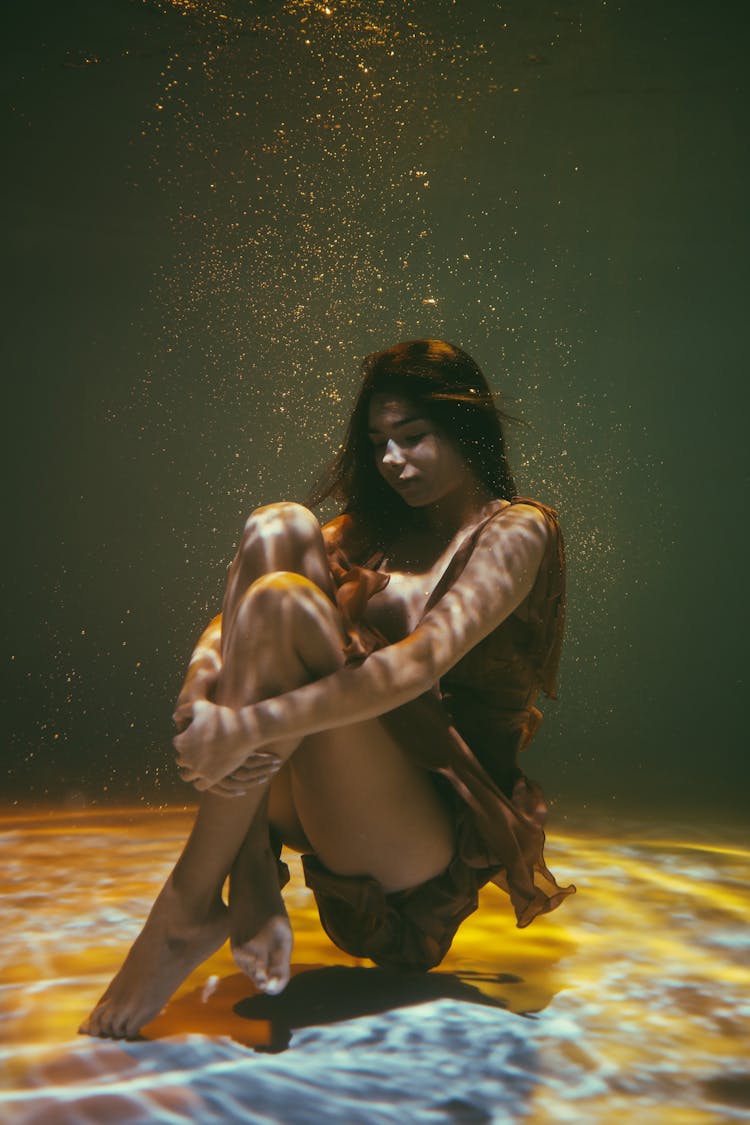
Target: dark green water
point(210, 219)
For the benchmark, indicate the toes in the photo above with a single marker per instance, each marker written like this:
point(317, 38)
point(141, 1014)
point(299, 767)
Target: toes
point(245, 958)
point(260, 980)
point(276, 984)
point(278, 965)
point(92, 1024)
point(259, 974)
point(265, 959)
point(104, 1024)
point(252, 962)
point(119, 1028)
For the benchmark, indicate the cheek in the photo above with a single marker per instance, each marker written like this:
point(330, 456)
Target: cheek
point(442, 459)
point(448, 468)
point(378, 462)
point(457, 465)
point(430, 454)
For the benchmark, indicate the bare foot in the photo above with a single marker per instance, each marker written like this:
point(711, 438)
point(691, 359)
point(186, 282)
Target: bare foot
point(266, 957)
point(261, 936)
point(169, 947)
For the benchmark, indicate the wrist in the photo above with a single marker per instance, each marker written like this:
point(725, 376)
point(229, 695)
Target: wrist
point(257, 720)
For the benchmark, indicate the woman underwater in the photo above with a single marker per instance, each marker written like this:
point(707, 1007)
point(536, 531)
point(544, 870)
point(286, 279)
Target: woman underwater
point(362, 699)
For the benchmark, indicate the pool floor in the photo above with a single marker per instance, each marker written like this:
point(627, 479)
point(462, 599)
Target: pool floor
point(631, 1002)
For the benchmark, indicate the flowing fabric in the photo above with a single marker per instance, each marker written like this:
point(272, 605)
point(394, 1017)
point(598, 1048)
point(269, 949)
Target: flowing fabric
point(469, 735)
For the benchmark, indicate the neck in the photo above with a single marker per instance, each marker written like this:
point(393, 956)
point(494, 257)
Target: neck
point(460, 508)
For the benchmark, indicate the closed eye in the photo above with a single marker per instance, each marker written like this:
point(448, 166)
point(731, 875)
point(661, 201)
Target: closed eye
point(406, 441)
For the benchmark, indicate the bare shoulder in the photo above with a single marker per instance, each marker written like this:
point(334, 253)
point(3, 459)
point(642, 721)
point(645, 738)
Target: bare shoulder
point(500, 573)
point(521, 519)
point(519, 530)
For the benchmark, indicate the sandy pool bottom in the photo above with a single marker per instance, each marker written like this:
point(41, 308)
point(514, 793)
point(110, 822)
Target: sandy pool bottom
point(630, 1003)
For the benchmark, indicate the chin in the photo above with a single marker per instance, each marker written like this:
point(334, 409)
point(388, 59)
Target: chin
point(415, 501)
point(421, 505)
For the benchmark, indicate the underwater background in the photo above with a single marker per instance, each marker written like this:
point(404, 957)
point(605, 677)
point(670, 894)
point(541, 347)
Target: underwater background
point(213, 209)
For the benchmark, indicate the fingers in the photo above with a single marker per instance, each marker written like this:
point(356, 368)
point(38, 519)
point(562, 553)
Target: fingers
point(221, 790)
point(179, 742)
point(262, 763)
point(183, 716)
point(259, 769)
point(208, 746)
point(258, 766)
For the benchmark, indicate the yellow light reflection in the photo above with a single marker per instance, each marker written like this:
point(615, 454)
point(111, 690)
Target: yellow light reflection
point(650, 958)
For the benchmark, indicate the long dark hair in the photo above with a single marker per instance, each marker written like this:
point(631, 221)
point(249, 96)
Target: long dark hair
point(450, 390)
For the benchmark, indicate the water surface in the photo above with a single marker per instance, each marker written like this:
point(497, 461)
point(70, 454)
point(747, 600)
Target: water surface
point(629, 1003)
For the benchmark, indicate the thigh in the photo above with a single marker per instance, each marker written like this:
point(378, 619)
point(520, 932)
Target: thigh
point(368, 810)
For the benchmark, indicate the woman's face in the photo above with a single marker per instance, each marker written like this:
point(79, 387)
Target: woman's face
point(413, 455)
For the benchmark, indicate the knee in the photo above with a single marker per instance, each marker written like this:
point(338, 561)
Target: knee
point(286, 514)
point(278, 592)
point(282, 608)
point(284, 523)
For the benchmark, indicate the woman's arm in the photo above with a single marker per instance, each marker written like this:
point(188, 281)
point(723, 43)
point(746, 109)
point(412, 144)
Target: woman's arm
point(499, 574)
point(202, 674)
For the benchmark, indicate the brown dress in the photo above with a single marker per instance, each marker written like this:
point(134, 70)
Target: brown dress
point(469, 738)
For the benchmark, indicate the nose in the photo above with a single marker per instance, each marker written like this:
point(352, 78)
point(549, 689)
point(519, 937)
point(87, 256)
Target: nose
point(393, 454)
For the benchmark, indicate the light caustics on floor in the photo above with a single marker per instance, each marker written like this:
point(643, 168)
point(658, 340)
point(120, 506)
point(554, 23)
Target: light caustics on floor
point(634, 996)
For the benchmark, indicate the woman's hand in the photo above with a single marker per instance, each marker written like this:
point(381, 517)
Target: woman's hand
point(183, 714)
point(217, 750)
point(258, 769)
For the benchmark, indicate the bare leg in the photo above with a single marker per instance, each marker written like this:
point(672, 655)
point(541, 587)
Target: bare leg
point(285, 633)
point(280, 631)
point(361, 804)
point(259, 925)
point(189, 921)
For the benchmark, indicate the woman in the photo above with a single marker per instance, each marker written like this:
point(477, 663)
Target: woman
point(363, 697)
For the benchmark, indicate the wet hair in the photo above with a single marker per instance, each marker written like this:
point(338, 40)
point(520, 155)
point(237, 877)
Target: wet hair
point(450, 390)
